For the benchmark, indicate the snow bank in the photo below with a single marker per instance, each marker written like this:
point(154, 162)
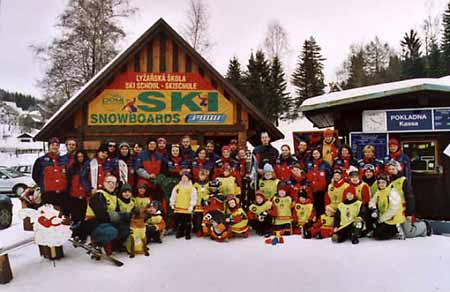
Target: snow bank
point(411, 265)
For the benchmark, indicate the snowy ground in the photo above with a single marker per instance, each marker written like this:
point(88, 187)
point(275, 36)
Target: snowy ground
point(420, 264)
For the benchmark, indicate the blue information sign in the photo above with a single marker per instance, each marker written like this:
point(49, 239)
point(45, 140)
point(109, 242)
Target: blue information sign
point(359, 140)
point(442, 119)
point(409, 120)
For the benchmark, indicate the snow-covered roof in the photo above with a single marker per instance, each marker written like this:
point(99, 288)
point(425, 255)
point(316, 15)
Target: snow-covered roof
point(14, 106)
point(375, 91)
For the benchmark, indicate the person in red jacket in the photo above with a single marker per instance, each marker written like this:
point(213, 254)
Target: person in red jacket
point(79, 186)
point(329, 146)
point(298, 183)
point(49, 173)
point(71, 146)
point(100, 167)
point(227, 161)
point(284, 163)
point(361, 188)
point(149, 164)
point(201, 162)
point(319, 175)
point(162, 146)
point(345, 161)
point(303, 153)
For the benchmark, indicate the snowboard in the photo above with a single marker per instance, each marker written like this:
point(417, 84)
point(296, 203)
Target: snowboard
point(94, 253)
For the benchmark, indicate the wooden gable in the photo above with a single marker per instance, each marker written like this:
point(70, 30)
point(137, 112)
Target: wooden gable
point(158, 75)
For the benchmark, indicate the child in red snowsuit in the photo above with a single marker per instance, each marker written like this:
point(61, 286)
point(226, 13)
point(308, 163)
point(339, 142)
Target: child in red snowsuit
point(324, 226)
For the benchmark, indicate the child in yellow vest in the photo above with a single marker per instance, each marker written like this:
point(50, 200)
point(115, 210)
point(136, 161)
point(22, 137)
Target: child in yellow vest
point(259, 215)
point(125, 202)
point(142, 198)
point(335, 191)
point(156, 226)
point(304, 215)
point(228, 183)
point(324, 226)
point(268, 183)
point(349, 218)
point(183, 200)
point(282, 210)
point(236, 217)
point(202, 187)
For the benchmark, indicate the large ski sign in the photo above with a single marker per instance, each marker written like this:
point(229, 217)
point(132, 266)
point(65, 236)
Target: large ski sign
point(160, 99)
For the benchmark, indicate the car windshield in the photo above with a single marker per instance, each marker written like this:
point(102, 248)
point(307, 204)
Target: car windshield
point(11, 172)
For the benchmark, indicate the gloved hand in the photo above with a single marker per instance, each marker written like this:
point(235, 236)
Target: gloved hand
point(172, 206)
point(114, 216)
point(374, 213)
point(205, 203)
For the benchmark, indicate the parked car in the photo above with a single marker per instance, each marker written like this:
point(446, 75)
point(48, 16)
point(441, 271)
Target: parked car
point(25, 169)
point(12, 181)
point(5, 211)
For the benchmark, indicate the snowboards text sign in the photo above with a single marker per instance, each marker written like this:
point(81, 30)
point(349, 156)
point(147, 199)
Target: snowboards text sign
point(160, 99)
point(409, 120)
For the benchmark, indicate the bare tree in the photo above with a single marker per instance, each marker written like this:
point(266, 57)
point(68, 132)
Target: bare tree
point(276, 42)
point(89, 35)
point(430, 26)
point(196, 28)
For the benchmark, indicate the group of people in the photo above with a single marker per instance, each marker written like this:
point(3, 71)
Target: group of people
point(319, 191)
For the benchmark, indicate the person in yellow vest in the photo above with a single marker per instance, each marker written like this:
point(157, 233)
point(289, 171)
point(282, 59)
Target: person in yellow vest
point(329, 146)
point(411, 227)
point(304, 215)
point(369, 178)
point(335, 190)
point(142, 198)
point(236, 217)
point(183, 200)
point(259, 215)
point(386, 210)
point(156, 226)
point(324, 226)
point(362, 189)
point(125, 202)
point(282, 210)
point(102, 221)
point(228, 183)
point(202, 187)
point(268, 183)
point(349, 218)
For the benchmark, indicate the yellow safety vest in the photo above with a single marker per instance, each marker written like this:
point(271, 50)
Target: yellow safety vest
point(183, 199)
point(202, 194)
point(382, 198)
point(284, 211)
point(141, 202)
point(358, 190)
point(398, 185)
point(327, 221)
point(228, 185)
point(336, 193)
point(266, 206)
point(303, 212)
point(155, 220)
point(241, 226)
point(138, 234)
point(125, 207)
point(111, 204)
point(269, 187)
point(349, 212)
point(373, 189)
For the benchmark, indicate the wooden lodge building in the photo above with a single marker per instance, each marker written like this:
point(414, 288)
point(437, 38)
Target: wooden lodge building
point(416, 111)
point(158, 86)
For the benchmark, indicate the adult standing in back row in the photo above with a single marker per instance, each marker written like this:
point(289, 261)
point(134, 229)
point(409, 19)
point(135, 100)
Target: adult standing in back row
point(264, 153)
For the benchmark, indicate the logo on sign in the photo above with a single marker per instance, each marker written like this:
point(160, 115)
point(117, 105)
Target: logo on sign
point(113, 102)
point(205, 118)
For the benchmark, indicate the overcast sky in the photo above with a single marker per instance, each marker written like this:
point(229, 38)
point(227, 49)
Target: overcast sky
point(236, 27)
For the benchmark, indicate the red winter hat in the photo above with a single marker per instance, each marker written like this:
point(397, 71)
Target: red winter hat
point(226, 147)
point(259, 193)
point(283, 186)
point(328, 133)
point(394, 141)
point(349, 189)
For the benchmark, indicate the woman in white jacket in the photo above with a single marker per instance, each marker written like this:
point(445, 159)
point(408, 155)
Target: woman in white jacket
point(386, 210)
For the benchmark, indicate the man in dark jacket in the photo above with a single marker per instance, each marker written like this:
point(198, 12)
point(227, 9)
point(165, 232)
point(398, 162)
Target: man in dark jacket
point(264, 153)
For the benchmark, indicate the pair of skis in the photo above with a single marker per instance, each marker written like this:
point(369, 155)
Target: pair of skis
point(95, 253)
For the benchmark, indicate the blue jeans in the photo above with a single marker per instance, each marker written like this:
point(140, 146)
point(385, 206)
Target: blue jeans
point(104, 233)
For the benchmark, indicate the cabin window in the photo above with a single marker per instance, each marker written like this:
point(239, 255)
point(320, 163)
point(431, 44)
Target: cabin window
point(423, 155)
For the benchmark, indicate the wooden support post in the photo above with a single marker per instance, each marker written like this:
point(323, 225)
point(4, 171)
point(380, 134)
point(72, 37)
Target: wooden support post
point(5, 270)
point(242, 138)
point(51, 252)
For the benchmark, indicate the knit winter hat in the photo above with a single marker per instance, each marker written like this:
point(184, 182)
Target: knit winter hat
point(226, 147)
point(125, 188)
point(268, 168)
point(103, 148)
point(384, 177)
point(349, 189)
point(141, 186)
point(161, 139)
point(395, 163)
point(353, 173)
point(328, 133)
point(259, 193)
point(394, 141)
point(124, 144)
point(337, 170)
point(369, 167)
point(283, 186)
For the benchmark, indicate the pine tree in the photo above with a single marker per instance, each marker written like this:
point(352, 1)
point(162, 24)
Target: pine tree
point(357, 70)
point(279, 103)
point(234, 74)
point(412, 65)
point(308, 77)
point(434, 69)
point(445, 42)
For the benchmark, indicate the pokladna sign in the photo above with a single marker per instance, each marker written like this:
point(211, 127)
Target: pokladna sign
point(160, 99)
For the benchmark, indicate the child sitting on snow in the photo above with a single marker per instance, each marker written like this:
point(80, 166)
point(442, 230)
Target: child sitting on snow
point(202, 187)
point(362, 189)
point(142, 198)
point(325, 225)
point(268, 183)
point(236, 217)
point(259, 215)
point(156, 226)
point(282, 210)
point(349, 218)
point(304, 215)
point(335, 191)
point(182, 201)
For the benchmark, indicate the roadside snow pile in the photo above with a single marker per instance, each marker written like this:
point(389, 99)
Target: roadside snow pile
point(200, 264)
